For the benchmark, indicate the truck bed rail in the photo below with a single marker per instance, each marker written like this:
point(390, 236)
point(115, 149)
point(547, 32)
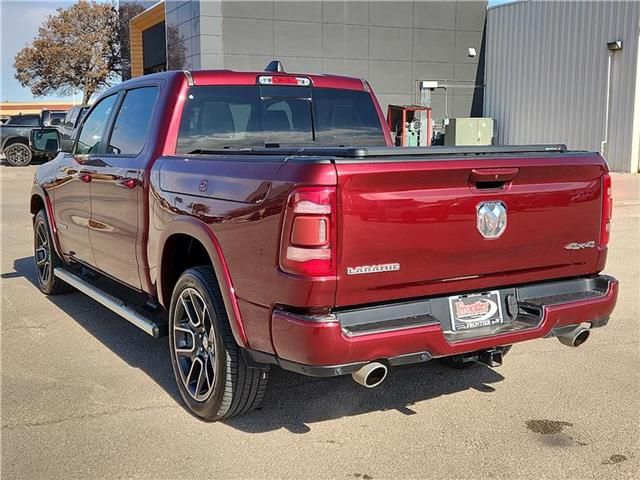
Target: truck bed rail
point(372, 152)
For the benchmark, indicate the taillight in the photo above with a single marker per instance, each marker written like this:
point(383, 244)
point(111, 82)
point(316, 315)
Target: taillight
point(309, 232)
point(607, 210)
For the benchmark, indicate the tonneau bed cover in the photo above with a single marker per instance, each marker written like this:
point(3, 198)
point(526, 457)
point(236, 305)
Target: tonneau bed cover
point(369, 152)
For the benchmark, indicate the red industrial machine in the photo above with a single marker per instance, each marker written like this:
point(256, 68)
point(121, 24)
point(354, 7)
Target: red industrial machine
point(410, 125)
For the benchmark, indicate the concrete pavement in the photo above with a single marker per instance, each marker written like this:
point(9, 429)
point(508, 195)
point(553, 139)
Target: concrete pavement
point(87, 395)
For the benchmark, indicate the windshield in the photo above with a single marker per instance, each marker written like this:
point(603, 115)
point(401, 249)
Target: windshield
point(216, 117)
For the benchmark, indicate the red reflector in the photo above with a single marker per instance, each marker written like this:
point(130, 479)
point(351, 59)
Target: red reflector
point(607, 210)
point(129, 183)
point(310, 231)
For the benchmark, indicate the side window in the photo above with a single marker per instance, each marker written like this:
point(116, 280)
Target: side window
point(68, 118)
point(57, 119)
point(81, 113)
point(94, 126)
point(132, 123)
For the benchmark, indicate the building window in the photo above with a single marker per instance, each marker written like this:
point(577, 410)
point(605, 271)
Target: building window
point(154, 49)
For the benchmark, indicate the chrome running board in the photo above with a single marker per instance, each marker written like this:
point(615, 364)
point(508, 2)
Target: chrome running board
point(115, 305)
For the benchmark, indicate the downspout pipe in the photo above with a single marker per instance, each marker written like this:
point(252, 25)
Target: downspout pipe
point(608, 101)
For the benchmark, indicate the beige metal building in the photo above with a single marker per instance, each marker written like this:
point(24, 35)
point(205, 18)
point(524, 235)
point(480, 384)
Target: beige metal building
point(7, 109)
point(553, 68)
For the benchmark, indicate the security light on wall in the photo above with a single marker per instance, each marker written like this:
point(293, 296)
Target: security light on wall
point(615, 45)
point(472, 52)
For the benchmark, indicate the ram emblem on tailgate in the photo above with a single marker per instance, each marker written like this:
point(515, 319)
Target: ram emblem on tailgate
point(491, 219)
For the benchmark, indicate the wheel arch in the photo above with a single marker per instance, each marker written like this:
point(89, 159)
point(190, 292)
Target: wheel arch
point(15, 139)
point(190, 229)
point(40, 200)
point(37, 203)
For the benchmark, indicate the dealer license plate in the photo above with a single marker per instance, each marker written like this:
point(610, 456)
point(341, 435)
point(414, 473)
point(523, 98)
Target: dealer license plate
point(475, 310)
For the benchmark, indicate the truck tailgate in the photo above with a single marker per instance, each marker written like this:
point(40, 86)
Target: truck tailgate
point(410, 228)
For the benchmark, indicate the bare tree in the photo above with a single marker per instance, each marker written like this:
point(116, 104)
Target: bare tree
point(126, 11)
point(78, 48)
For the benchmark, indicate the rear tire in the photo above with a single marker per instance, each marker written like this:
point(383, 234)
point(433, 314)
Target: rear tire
point(46, 259)
point(18, 154)
point(212, 375)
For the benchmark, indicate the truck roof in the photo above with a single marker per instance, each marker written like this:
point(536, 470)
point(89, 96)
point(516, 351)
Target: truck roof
point(231, 77)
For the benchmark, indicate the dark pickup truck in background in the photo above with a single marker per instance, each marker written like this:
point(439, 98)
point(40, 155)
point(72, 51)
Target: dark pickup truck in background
point(264, 218)
point(14, 135)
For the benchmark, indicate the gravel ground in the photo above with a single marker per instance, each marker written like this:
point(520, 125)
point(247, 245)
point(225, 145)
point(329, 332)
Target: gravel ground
point(87, 395)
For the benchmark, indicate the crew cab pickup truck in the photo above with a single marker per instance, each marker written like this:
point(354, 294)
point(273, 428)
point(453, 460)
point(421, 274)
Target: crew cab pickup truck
point(14, 135)
point(265, 219)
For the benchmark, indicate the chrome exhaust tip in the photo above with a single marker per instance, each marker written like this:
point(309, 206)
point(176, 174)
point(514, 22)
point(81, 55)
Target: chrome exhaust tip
point(371, 375)
point(575, 338)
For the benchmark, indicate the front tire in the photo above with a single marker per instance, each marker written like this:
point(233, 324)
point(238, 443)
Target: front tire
point(212, 375)
point(18, 154)
point(46, 259)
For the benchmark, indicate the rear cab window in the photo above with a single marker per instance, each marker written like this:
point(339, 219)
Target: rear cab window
point(25, 120)
point(218, 117)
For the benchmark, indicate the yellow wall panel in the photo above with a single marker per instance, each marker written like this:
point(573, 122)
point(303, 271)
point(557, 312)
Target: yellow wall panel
point(137, 25)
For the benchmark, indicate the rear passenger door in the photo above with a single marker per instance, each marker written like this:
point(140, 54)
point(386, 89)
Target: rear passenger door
point(117, 206)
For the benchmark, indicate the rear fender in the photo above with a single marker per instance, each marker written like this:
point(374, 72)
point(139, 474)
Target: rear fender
point(200, 231)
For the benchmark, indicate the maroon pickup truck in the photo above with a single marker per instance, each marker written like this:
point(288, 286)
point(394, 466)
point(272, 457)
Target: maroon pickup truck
point(265, 219)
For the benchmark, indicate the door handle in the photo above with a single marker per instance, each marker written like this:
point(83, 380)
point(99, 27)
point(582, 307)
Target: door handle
point(85, 175)
point(128, 180)
point(493, 174)
point(129, 183)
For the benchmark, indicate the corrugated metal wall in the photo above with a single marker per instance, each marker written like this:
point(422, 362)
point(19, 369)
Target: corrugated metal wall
point(546, 75)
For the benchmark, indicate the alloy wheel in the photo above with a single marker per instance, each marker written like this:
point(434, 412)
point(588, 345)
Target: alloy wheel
point(18, 154)
point(42, 254)
point(194, 344)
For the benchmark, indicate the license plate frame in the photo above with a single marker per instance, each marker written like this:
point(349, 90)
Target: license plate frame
point(475, 310)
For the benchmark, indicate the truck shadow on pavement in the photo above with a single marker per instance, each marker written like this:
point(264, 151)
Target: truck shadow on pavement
point(292, 401)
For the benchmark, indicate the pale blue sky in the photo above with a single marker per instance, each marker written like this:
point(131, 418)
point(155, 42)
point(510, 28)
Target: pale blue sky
point(19, 24)
point(20, 20)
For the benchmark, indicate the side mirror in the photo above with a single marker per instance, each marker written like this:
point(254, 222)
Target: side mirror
point(45, 140)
